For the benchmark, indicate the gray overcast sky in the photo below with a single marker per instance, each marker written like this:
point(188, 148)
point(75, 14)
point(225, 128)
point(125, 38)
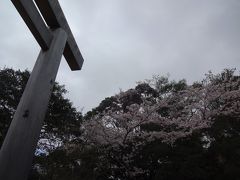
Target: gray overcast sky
point(124, 41)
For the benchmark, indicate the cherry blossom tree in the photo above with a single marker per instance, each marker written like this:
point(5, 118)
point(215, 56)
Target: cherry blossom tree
point(169, 116)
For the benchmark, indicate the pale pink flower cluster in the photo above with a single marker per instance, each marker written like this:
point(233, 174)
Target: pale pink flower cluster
point(166, 118)
point(189, 110)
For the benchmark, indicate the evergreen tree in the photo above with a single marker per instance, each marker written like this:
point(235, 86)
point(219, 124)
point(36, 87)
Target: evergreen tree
point(61, 125)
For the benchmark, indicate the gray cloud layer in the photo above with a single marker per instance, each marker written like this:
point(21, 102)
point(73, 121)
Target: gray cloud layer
point(124, 41)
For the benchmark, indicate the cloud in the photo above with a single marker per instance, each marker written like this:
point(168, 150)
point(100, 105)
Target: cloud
point(124, 41)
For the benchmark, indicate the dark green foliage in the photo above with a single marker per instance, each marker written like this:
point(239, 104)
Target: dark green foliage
point(12, 84)
point(62, 121)
point(107, 103)
point(62, 118)
point(208, 154)
point(146, 89)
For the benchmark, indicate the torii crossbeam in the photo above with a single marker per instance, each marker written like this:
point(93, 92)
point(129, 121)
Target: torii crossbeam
point(47, 22)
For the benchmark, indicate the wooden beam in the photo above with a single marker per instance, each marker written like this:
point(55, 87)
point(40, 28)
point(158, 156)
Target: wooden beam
point(34, 21)
point(55, 18)
point(20, 142)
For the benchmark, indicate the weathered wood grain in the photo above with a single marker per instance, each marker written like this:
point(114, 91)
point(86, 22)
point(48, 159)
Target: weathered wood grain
point(55, 18)
point(34, 21)
point(19, 145)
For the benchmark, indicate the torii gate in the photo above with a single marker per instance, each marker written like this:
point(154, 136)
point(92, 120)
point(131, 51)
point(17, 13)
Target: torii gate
point(55, 38)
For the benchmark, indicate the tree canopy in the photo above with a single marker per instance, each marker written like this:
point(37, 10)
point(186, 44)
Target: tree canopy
point(159, 130)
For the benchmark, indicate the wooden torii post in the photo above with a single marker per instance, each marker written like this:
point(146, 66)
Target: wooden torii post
point(55, 38)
